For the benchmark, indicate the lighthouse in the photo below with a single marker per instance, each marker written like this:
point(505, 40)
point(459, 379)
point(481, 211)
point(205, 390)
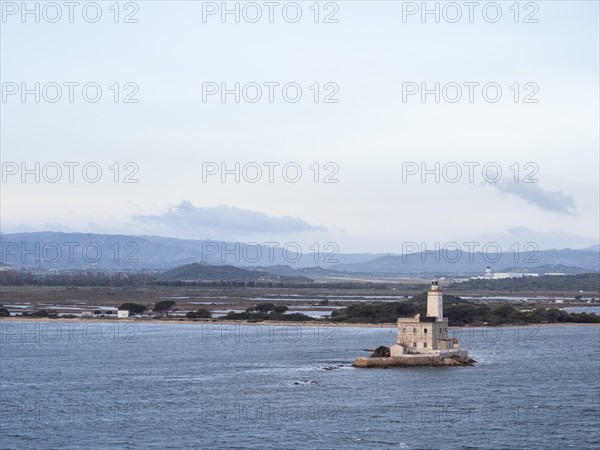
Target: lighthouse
point(423, 339)
point(435, 304)
point(427, 334)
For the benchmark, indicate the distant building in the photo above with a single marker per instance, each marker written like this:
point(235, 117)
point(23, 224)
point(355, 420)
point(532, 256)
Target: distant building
point(500, 275)
point(491, 275)
point(122, 314)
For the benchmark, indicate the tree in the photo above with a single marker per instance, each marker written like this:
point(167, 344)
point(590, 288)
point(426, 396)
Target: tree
point(133, 308)
point(503, 313)
point(39, 313)
point(164, 306)
point(202, 313)
point(263, 307)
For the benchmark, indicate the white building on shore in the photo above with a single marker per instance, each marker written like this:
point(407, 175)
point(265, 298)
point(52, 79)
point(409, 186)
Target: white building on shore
point(491, 275)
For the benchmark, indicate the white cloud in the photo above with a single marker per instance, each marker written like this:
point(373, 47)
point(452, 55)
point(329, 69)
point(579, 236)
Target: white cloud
point(533, 194)
point(220, 222)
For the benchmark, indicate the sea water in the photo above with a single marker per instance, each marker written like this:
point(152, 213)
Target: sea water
point(135, 385)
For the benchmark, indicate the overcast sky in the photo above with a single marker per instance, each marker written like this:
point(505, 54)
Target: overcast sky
point(371, 145)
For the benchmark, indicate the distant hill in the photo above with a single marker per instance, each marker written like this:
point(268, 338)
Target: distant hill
point(54, 251)
point(310, 272)
point(438, 262)
point(112, 252)
point(73, 251)
point(204, 272)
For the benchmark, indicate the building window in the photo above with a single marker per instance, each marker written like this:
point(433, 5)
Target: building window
point(424, 344)
point(414, 330)
point(414, 344)
point(425, 331)
point(404, 330)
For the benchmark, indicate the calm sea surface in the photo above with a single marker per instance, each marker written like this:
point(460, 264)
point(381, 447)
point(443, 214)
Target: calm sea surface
point(72, 386)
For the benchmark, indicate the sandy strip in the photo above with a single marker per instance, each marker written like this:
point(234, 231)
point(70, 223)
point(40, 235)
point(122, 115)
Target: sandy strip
point(268, 322)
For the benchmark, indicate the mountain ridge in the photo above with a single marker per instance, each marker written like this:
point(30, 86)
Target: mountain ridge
point(118, 252)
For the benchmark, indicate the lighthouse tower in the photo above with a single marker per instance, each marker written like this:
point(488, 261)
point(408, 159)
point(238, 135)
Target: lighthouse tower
point(435, 307)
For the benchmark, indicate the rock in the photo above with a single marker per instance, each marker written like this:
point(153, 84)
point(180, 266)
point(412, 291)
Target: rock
point(414, 360)
point(305, 382)
point(381, 352)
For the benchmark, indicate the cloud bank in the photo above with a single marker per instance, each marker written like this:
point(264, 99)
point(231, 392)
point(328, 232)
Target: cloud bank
point(188, 220)
point(533, 194)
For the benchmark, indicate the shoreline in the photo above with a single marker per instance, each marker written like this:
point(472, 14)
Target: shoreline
point(267, 322)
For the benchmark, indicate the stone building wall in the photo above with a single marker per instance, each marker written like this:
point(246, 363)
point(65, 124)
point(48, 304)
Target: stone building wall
point(421, 336)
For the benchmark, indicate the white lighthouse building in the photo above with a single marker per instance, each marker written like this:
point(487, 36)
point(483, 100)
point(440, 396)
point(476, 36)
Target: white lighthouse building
point(435, 304)
point(427, 335)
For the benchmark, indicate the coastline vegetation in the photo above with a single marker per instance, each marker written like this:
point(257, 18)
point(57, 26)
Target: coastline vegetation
point(267, 311)
point(584, 281)
point(459, 313)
